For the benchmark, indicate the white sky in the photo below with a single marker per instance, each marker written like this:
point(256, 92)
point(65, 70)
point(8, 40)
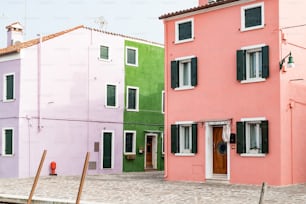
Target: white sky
point(130, 17)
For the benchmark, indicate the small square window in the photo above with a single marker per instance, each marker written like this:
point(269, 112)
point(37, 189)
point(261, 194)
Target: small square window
point(132, 56)
point(252, 17)
point(104, 52)
point(129, 142)
point(184, 31)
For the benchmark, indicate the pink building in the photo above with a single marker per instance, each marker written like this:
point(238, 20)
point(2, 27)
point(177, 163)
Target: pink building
point(235, 110)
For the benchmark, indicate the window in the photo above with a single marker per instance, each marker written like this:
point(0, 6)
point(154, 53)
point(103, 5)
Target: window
point(184, 138)
point(8, 93)
point(7, 142)
point(132, 98)
point(184, 73)
point(129, 142)
point(252, 17)
point(184, 31)
point(252, 136)
point(104, 52)
point(253, 64)
point(163, 143)
point(132, 56)
point(111, 98)
point(163, 101)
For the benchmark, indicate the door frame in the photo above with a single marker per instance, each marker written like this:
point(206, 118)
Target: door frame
point(101, 148)
point(209, 147)
point(154, 149)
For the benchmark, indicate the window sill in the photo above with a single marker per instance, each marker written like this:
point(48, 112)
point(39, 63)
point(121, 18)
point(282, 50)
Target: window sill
point(184, 88)
point(253, 80)
point(252, 28)
point(132, 110)
point(8, 100)
point(7, 155)
point(104, 60)
point(253, 155)
point(132, 153)
point(184, 154)
point(184, 41)
point(111, 107)
point(132, 65)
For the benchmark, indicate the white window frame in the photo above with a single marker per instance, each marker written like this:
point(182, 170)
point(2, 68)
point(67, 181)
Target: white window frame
point(5, 85)
point(102, 59)
point(163, 102)
point(184, 150)
point(116, 95)
point(250, 49)
point(182, 60)
point(134, 142)
point(244, 8)
point(249, 121)
point(162, 143)
point(136, 56)
point(113, 152)
point(137, 98)
point(4, 142)
point(177, 23)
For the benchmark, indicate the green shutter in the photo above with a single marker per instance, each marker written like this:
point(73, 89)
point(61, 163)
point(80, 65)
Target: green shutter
point(185, 30)
point(194, 138)
point(111, 95)
point(174, 138)
point(241, 65)
point(9, 87)
point(107, 150)
point(103, 52)
point(265, 61)
point(240, 131)
point(194, 77)
point(265, 136)
point(132, 98)
point(174, 74)
point(8, 142)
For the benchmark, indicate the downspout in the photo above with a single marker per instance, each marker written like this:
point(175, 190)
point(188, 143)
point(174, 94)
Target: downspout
point(39, 49)
point(166, 100)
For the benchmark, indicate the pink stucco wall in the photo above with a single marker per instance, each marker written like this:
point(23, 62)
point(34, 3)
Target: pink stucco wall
point(219, 95)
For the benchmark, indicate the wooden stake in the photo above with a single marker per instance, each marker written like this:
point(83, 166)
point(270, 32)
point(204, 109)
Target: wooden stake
point(262, 193)
point(83, 178)
point(37, 176)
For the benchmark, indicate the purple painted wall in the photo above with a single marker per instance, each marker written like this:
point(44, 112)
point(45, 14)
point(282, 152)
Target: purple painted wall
point(62, 104)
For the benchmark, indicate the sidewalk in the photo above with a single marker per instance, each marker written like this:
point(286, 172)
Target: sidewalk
point(144, 187)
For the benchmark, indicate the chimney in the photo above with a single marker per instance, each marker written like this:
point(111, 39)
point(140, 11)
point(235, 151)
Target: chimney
point(203, 2)
point(14, 33)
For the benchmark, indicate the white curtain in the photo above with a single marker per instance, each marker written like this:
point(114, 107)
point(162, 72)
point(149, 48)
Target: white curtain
point(226, 133)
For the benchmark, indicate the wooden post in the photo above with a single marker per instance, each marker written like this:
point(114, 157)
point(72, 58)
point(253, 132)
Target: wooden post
point(262, 193)
point(37, 176)
point(83, 178)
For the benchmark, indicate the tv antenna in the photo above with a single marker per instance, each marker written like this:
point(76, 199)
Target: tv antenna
point(101, 22)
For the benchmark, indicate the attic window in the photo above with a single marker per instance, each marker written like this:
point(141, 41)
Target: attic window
point(252, 17)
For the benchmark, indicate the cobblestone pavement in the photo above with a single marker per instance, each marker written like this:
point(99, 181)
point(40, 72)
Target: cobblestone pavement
point(146, 187)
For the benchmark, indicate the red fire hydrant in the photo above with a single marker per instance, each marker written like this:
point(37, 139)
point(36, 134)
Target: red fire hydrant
point(53, 167)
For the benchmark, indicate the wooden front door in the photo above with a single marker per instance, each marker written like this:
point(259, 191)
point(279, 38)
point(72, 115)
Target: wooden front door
point(149, 163)
point(219, 152)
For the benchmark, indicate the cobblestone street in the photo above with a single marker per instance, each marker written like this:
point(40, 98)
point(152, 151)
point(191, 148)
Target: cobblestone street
point(144, 187)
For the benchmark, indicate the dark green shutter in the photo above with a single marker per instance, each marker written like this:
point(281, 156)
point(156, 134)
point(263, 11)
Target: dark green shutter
point(240, 131)
point(103, 52)
point(265, 136)
point(107, 150)
point(174, 138)
point(241, 65)
point(8, 142)
point(194, 138)
point(111, 95)
point(174, 74)
point(265, 61)
point(253, 17)
point(194, 74)
point(10, 87)
point(132, 98)
point(185, 30)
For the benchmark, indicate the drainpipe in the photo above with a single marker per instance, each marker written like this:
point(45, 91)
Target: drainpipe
point(39, 81)
point(166, 102)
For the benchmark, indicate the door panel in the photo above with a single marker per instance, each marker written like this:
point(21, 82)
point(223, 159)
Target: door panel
point(107, 150)
point(149, 149)
point(219, 152)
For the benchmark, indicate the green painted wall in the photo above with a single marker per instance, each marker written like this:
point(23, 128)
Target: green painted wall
point(149, 78)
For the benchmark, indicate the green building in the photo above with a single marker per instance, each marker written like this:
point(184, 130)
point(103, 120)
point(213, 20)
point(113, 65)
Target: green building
point(144, 102)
